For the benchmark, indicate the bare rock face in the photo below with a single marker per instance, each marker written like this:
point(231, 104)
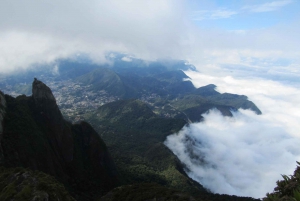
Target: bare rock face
point(41, 91)
point(2, 113)
point(48, 112)
point(36, 136)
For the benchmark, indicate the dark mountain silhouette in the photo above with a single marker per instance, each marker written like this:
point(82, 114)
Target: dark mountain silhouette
point(36, 136)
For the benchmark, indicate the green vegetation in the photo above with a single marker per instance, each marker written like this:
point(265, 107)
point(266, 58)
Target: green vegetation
point(145, 191)
point(134, 136)
point(287, 189)
point(103, 79)
point(191, 105)
point(36, 136)
point(22, 184)
point(124, 84)
point(165, 91)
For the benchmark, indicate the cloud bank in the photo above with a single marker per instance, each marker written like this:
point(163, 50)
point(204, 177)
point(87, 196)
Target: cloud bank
point(38, 32)
point(244, 155)
point(42, 31)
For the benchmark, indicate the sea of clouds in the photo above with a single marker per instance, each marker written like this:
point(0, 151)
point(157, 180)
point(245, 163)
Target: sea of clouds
point(245, 154)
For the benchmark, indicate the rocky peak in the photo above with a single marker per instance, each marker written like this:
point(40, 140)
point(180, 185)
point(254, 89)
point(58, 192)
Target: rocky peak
point(41, 91)
point(47, 113)
point(45, 102)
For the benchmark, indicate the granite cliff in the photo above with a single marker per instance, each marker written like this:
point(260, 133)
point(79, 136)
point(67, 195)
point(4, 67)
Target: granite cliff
point(2, 113)
point(36, 136)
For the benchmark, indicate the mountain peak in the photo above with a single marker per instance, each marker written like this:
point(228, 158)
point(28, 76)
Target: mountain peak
point(208, 90)
point(41, 91)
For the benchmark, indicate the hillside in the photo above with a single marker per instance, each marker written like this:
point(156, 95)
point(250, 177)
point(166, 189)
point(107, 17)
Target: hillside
point(134, 136)
point(168, 93)
point(81, 87)
point(23, 184)
point(129, 126)
point(103, 79)
point(192, 104)
point(134, 85)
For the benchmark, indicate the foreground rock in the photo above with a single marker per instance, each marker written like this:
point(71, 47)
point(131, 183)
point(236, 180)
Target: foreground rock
point(20, 184)
point(36, 136)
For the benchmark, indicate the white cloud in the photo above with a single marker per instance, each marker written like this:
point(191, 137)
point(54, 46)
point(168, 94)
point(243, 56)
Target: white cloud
point(128, 59)
point(246, 154)
point(262, 51)
point(42, 31)
point(267, 7)
point(55, 70)
point(212, 15)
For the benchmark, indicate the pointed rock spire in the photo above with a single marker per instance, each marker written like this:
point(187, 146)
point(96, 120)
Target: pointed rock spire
point(41, 91)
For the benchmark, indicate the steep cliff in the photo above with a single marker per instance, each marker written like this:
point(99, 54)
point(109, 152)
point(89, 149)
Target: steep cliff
point(36, 136)
point(2, 114)
point(2, 110)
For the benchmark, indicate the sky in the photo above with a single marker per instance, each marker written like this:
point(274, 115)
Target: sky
point(251, 34)
point(249, 47)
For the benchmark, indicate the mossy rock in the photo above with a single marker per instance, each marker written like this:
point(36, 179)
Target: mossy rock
point(22, 184)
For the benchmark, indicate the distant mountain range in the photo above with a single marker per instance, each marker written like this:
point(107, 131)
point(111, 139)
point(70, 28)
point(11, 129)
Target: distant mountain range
point(162, 85)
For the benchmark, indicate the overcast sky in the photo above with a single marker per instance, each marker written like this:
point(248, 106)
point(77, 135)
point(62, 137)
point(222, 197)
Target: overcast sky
point(210, 34)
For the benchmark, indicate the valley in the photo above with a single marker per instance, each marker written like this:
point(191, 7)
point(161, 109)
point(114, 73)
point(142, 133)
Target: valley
point(125, 113)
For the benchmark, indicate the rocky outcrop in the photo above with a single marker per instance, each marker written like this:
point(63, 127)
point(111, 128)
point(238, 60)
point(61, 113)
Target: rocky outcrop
point(2, 113)
point(21, 184)
point(41, 91)
point(48, 113)
point(36, 136)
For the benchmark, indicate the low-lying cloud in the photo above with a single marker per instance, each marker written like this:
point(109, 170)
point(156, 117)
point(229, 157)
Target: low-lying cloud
point(245, 154)
point(34, 32)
